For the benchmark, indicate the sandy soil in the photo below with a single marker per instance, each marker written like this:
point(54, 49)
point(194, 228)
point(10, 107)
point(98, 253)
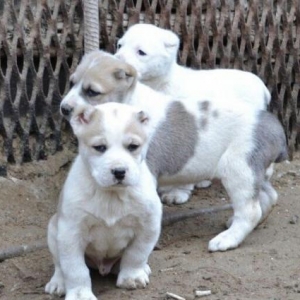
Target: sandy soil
point(265, 266)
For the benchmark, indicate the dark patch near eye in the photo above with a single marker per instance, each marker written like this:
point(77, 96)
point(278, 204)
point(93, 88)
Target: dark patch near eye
point(132, 147)
point(174, 142)
point(91, 93)
point(100, 148)
point(204, 106)
point(141, 52)
point(270, 145)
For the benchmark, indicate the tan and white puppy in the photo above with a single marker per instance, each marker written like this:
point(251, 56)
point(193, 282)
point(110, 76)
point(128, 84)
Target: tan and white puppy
point(152, 51)
point(217, 137)
point(109, 210)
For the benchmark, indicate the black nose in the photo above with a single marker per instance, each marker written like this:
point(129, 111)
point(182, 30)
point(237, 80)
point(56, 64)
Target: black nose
point(66, 110)
point(119, 173)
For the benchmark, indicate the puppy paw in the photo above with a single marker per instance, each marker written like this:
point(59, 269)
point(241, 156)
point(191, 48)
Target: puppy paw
point(222, 242)
point(203, 184)
point(134, 278)
point(55, 286)
point(175, 196)
point(82, 293)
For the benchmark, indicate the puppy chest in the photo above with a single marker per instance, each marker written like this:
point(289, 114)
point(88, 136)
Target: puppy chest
point(110, 241)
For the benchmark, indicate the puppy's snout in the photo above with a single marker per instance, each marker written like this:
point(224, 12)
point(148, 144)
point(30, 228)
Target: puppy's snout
point(66, 110)
point(119, 173)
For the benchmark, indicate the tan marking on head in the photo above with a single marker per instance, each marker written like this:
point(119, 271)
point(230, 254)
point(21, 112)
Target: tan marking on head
point(135, 127)
point(101, 68)
point(106, 74)
point(94, 128)
point(103, 74)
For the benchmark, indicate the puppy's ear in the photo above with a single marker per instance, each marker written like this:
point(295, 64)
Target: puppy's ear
point(82, 115)
point(142, 117)
point(171, 41)
point(120, 74)
point(127, 73)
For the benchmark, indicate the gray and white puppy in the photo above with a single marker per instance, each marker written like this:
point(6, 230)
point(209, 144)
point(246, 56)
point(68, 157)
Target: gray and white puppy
point(152, 51)
point(203, 138)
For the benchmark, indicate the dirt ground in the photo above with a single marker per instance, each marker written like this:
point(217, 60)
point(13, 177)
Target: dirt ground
point(265, 266)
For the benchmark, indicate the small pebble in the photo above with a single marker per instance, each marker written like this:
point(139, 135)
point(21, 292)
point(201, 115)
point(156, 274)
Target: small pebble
point(294, 219)
point(292, 173)
point(174, 296)
point(202, 293)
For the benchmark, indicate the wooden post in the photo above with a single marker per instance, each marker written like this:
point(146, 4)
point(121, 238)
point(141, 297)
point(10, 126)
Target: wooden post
point(91, 25)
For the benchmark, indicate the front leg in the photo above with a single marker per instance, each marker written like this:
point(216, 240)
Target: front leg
point(134, 268)
point(71, 247)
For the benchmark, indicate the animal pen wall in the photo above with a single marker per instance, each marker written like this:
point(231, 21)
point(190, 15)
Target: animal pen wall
point(41, 43)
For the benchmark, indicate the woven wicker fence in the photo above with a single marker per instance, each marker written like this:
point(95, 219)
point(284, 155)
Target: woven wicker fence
point(41, 43)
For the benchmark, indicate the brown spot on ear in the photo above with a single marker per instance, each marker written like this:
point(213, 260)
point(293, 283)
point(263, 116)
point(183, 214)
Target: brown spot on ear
point(204, 106)
point(82, 119)
point(126, 72)
point(94, 127)
point(142, 117)
point(120, 74)
point(130, 71)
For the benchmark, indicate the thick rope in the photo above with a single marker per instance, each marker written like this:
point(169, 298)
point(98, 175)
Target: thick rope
point(91, 25)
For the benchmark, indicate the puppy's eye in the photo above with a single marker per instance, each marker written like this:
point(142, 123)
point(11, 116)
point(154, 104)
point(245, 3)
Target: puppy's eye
point(100, 148)
point(71, 84)
point(141, 52)
point(119, 46)
point(91, 93)
point(132, 147)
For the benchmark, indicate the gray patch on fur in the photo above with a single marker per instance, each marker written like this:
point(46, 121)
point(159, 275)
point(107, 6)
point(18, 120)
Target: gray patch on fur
point(174, 141)
point(204, 106)
point(215, 113)
point(270, 145)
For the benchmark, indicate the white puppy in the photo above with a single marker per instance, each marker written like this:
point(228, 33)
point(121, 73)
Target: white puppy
point(152, 51)
point(193, 140)
point(109, 210)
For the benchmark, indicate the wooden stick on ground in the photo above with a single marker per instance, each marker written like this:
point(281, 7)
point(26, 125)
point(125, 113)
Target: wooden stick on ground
point(15, 251)
point(168, 219)
point(171, 218)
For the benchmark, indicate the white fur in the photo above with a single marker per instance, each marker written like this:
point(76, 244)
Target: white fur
point(99, 216)
point(159, 70)
point(222, 152)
